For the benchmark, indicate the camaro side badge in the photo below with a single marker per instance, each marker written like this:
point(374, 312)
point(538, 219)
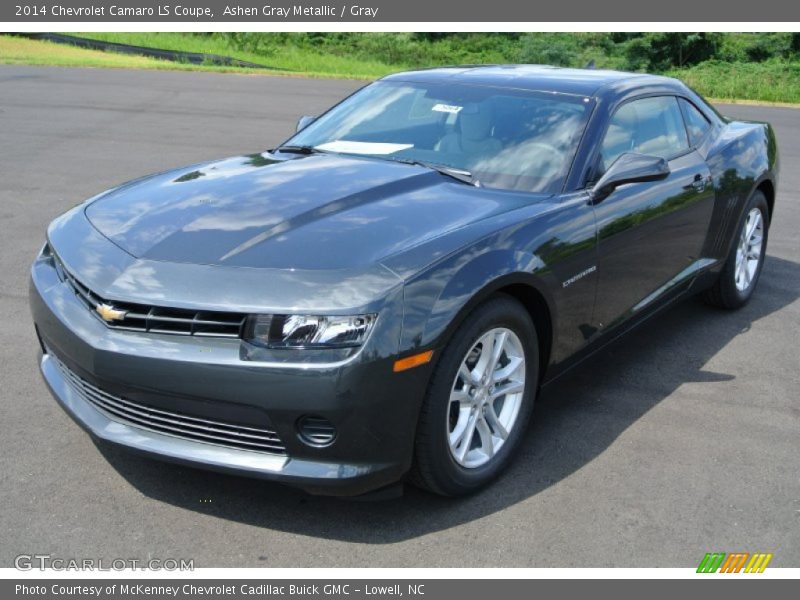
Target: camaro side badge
point(580, 275)
point(109, 314)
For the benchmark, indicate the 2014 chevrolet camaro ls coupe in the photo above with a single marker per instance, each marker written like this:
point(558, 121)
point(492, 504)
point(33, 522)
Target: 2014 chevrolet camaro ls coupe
point(382, 296)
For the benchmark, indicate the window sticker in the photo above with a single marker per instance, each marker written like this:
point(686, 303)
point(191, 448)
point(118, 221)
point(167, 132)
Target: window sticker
point(447, 108)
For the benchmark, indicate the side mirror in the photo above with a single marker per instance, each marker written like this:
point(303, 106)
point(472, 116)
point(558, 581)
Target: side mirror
point(629, 168)
point(304, 122)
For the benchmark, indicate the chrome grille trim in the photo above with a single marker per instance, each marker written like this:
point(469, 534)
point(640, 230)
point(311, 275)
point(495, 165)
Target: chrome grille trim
point(157, 319)
point(218, 433)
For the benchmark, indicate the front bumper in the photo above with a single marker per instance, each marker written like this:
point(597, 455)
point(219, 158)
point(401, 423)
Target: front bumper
point(373, 409)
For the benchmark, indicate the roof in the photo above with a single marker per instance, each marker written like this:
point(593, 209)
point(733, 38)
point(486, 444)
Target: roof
point(584, 82)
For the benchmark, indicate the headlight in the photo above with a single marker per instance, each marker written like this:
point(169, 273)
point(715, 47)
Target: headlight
point(304, 331)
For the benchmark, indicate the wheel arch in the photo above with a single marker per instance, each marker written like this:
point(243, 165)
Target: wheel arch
point(767, 187)
point(528, 291)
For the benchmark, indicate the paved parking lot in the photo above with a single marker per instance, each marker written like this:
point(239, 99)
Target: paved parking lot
point(683, 439)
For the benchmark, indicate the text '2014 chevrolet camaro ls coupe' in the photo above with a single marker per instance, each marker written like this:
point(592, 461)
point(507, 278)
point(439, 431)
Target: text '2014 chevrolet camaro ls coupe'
point(380, 298)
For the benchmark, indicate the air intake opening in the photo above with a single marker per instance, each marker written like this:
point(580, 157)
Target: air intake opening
point(316, 431)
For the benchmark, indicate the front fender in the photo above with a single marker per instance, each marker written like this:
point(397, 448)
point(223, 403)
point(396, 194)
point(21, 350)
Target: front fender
point(437, 301)
point(550, 258)
point(478, 279)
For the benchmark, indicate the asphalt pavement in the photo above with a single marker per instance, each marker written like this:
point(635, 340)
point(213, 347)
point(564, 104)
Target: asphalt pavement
point(682, 439)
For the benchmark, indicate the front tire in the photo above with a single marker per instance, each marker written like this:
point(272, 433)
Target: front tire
point(738, 279)
point(479, 400)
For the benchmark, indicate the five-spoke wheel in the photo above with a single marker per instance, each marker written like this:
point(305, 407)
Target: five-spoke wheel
point(748, 252)
point(486, 397)
point(479, 399)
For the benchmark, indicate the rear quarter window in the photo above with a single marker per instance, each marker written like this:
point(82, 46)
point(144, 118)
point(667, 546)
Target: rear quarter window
point(696, 123)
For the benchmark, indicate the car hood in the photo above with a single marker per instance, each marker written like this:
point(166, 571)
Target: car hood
point(311, 212)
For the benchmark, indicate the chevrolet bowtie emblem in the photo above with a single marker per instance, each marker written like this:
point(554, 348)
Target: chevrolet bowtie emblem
point(109, 314)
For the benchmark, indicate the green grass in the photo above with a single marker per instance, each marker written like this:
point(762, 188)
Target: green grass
point(772, 81)
point(775, 80)
point(22, 51)
point(289, 58)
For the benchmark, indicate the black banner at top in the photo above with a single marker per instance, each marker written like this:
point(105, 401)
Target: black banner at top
point(392, 11)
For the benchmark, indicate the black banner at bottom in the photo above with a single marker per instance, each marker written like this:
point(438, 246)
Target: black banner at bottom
point(733, 586)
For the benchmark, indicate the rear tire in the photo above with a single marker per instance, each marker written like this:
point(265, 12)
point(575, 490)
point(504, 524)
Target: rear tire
point(738, 279)
point(479, 400)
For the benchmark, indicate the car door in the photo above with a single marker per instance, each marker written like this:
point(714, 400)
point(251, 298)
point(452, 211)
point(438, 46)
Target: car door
point(650, 235)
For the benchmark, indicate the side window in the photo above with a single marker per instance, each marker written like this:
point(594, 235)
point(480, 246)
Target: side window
point(696, 123)
point(647, 126)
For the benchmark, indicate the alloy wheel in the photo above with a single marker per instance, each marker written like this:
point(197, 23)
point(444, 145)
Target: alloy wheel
point(486, 397)
point(748, 252)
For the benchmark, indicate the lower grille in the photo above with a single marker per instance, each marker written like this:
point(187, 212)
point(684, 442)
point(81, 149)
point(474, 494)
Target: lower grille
point(175, 424)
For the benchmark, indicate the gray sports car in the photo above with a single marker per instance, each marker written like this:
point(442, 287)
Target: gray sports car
point(381, 297)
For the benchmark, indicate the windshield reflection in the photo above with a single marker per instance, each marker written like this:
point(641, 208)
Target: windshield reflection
point(505, 138)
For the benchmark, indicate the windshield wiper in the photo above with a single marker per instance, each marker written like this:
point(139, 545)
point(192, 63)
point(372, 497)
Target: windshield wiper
point(296, 149)
point(457, 174)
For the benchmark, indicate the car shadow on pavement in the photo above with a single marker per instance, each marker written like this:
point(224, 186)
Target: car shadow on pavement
point(575, 420)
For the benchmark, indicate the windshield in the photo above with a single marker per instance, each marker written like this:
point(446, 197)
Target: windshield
point(505, 138)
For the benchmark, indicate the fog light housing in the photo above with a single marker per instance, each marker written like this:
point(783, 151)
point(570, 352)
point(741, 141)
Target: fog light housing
point(316, 431)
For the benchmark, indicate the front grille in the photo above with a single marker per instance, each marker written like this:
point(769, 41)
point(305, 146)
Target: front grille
point(156, 319)
point(175, 424)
